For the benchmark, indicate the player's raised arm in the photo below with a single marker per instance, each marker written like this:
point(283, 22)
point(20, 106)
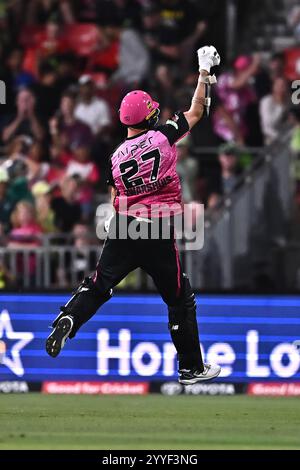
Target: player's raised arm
point(208, 57)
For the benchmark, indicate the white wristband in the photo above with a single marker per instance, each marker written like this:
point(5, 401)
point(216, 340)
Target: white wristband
point(208, 79)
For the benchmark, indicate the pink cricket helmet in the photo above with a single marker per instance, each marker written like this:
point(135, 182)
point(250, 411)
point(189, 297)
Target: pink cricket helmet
point(136, 107)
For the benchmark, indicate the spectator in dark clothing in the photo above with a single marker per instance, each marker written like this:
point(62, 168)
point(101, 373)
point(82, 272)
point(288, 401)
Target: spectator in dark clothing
point(40, 11)
point(14, 17)
point(227, 179)
point(164, 88)
point(151, 27)
point(276, 66)
point(16, 76)
point(48, 91)
point(67, 211)
point(86, 11)
point(177, 21)
point(128, 12)
point(67, 131)
point(66, 71)
point(265, 76)
point(171, 27)
point(25, 120)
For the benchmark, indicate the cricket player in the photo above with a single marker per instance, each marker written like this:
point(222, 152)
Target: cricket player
point(143, 171)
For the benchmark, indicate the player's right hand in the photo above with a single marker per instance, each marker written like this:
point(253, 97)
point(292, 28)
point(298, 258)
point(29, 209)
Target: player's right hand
point(208, 57)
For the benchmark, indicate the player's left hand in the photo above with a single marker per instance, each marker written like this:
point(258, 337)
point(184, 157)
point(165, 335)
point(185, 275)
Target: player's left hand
point(208, 57)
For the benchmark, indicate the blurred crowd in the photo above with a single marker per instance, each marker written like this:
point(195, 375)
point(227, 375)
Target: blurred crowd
point(67, 64)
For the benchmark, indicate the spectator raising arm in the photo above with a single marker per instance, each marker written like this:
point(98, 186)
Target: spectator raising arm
point(25, 121)
point(10, 130)
point(243, 77)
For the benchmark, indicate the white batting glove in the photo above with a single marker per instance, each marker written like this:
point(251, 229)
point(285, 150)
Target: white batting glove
point(208, 57)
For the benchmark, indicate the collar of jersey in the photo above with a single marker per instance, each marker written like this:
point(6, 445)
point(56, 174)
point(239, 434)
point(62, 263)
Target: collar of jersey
point(137, 135)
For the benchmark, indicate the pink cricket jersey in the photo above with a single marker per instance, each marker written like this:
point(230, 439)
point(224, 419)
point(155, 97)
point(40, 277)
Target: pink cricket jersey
point(143, 170)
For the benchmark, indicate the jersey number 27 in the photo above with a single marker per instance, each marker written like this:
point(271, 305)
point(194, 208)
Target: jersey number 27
point(130, 169)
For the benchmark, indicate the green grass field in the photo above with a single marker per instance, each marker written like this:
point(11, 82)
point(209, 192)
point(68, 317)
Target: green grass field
point(37, 421)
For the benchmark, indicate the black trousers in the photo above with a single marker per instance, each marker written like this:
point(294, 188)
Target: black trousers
point(160, 259)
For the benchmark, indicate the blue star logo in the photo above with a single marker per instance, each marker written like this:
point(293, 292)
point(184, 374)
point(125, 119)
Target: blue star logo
point(14, 362)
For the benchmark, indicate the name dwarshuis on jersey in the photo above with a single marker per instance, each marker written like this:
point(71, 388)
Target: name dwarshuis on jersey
point(147, 188)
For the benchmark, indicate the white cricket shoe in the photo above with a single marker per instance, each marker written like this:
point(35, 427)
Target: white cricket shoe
point(189, 377)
